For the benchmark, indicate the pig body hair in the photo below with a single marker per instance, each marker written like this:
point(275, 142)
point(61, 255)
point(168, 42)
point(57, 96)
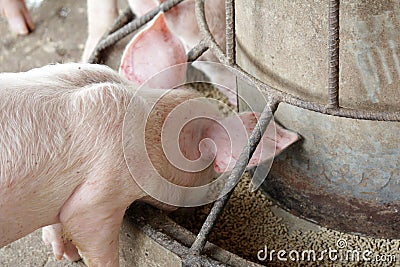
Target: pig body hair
point(39, 108)
point(61, 156)
point(60, 126)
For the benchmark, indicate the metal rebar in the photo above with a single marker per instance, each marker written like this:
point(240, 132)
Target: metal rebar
point(208, 39)
point(196, 51)
point(132, 26)
point(234, 177)
point(321, 108)
point(149, 221)
point(333, 85)
point(121, 21)
point(230, 31)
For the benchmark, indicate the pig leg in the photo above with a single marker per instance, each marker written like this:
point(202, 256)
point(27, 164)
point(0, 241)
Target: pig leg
point(101, 15)
point(92, 216)
point(96, 235)
point(53, 235)
point(99, 247)
point(18, 16)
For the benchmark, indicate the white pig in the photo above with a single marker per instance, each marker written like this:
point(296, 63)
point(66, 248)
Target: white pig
point(180, 19)
point(157, 43)
point(61, 158)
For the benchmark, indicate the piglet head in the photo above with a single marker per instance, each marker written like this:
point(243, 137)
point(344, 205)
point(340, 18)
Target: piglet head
point(151, 51)
point(177, 141)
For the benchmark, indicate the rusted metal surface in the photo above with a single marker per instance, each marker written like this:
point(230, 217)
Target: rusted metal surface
point(331, 210)
point(345, 173)
point(351, 173)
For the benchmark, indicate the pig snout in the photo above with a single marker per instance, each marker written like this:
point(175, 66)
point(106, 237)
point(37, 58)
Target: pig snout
point(17, 15)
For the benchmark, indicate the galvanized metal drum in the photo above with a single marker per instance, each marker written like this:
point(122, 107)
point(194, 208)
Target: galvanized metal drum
point(345, 173)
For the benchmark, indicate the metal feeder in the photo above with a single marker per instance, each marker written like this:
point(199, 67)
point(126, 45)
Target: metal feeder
point(340, 192)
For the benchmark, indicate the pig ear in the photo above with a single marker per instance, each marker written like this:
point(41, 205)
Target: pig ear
point(153, 50)
point(232, 134)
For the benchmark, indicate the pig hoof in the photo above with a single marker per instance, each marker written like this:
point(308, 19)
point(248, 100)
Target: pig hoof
point(18, 16)
point(71, 252)
point(52, 236)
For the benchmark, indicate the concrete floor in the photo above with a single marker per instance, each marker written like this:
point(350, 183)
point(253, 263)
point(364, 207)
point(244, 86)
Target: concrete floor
point(59, 37)
point(31, 251)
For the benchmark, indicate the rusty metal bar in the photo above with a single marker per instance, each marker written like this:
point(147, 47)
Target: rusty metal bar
point(208, 39)
point(123, 19)
point(131, 27)
point(196, 51)
point(230, 31)
point(148, 214)
point(333, 87)
point(120, 22)
point(295, 101)
point(234, 177)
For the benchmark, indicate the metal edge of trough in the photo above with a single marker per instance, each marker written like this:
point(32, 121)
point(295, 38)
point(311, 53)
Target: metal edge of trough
point(156, 225)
